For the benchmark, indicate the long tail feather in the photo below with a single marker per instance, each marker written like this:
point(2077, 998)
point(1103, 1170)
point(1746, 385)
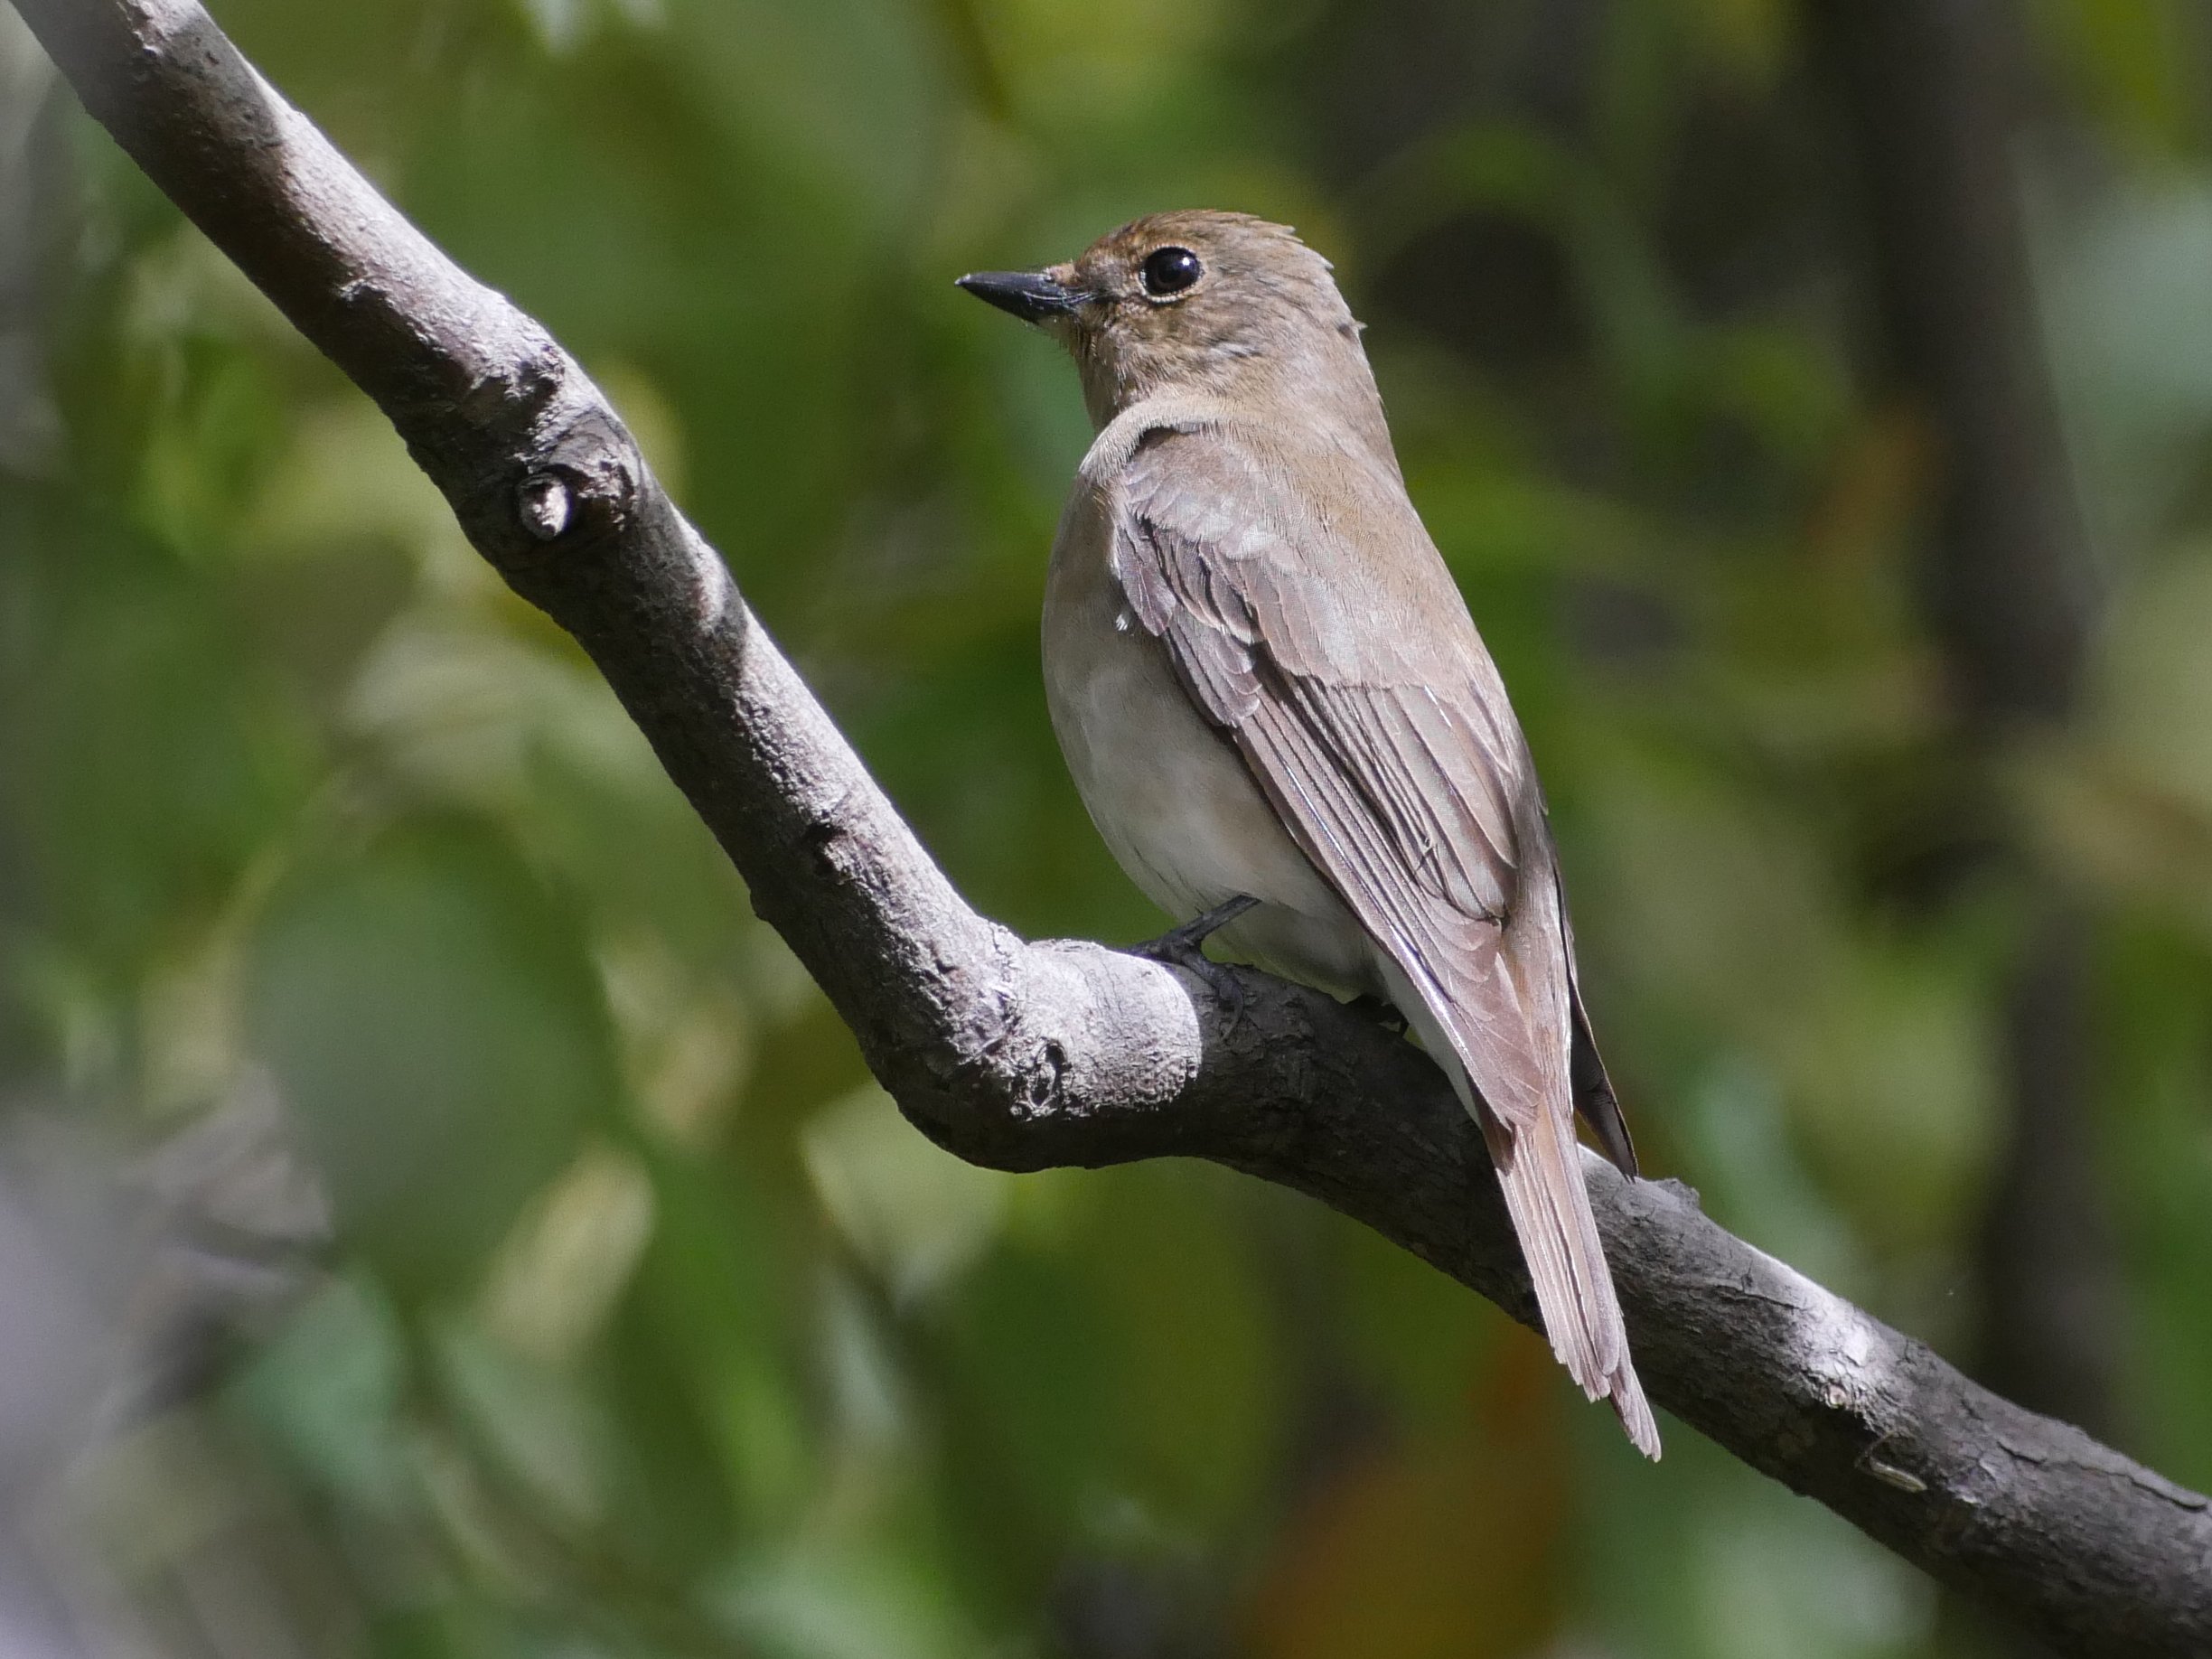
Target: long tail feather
point(1540, 1170)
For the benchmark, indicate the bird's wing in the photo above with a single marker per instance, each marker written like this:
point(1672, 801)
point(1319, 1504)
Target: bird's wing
point(1594, 1099)
point(1365, 703)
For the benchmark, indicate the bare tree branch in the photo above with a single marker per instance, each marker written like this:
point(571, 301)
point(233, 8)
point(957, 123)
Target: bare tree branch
point(1024, 1056)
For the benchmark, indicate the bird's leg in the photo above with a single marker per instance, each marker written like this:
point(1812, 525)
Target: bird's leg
point(1179, 945)
point(1184, 947)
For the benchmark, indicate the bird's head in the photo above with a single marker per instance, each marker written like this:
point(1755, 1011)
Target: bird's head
point(1196, 301)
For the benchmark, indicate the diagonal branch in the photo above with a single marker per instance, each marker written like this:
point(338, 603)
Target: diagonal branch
point(1022, 1055)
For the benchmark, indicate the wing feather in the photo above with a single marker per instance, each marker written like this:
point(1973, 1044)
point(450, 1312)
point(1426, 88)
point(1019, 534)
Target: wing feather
point(1370, 716)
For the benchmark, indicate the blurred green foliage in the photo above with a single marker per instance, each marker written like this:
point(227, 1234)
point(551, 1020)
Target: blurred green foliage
point(651, 1327)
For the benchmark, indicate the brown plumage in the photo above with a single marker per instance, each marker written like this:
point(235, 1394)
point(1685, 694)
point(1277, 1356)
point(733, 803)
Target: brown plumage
point(1266, 684)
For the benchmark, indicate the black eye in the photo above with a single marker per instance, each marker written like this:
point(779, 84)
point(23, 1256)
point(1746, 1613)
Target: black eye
point(1170, 270)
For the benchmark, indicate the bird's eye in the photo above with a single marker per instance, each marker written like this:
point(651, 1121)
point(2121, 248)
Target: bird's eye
point(1170, 270)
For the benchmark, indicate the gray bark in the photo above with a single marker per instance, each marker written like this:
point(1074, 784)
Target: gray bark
point(1020, 1054)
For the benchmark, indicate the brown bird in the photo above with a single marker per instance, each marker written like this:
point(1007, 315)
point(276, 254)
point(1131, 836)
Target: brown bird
point(1283, 721)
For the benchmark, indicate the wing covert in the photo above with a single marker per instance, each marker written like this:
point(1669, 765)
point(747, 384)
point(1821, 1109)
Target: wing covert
point(1377, 746)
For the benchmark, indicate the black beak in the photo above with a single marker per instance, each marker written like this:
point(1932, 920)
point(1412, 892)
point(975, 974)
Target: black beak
point(1031, 295)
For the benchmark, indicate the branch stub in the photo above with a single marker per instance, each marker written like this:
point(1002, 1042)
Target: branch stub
point(542, 503)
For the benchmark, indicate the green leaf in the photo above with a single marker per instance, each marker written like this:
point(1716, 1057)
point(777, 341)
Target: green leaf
point(429, 1012)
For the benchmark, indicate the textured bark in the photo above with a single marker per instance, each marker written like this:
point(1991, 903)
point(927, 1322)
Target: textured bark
point(1022, 1055)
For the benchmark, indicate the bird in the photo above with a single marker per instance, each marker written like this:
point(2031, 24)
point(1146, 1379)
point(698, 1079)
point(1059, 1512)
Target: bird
point(1277, 709)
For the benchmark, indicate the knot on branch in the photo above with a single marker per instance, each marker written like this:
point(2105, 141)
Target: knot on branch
point(543, 505)
point(575, 484)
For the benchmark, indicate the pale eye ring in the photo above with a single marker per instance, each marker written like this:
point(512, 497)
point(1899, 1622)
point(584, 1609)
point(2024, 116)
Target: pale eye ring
point(1169, 270)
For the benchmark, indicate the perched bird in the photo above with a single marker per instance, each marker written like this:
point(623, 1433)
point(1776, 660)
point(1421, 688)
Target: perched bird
point(1283, 722)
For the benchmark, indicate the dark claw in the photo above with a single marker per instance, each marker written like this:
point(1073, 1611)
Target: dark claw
point(1383, 1013)
point(1182, 947)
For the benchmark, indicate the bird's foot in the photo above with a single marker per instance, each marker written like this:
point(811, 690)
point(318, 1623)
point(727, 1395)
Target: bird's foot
point(1384, 1014)
point(1184, 947)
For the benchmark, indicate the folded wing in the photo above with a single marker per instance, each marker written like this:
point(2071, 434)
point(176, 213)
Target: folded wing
point(1334, 649)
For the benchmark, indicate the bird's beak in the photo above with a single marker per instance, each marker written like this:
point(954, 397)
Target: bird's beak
point(1034, 296)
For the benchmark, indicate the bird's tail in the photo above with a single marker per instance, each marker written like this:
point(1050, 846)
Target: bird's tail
point(1541, 1170)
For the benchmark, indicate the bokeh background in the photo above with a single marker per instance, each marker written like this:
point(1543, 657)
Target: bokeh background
point(437, 1218)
